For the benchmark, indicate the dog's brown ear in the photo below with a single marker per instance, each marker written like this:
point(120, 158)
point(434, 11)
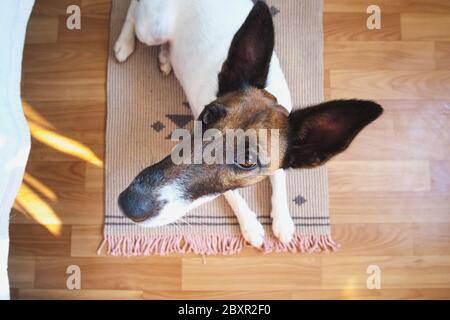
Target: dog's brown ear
point(315, 134)
point(250, 52)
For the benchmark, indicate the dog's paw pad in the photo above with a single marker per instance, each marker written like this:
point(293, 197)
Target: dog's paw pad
point(283, 229)
point(123, 49)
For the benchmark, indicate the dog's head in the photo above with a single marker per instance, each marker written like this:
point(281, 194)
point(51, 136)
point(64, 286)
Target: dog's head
point(272, 138)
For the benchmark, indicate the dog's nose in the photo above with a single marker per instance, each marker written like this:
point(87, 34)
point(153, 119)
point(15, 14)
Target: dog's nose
point(134, 205)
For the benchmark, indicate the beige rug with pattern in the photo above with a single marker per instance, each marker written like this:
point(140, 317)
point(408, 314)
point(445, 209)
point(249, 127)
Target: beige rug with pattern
point(144, 107)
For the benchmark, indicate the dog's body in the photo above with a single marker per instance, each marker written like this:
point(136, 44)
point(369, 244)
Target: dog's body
point(196, 35)
point(223, 57)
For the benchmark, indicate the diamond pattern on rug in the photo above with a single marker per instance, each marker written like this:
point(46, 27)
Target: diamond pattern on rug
point(299, 200)
point(158, 126)
point(181, 120)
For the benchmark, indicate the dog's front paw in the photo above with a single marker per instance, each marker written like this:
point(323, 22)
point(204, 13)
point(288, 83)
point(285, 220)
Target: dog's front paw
point(283, 228)
point(123, 48)
point(253, 232)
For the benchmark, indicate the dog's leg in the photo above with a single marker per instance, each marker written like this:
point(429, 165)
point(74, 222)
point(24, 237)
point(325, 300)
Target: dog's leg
point(126, 42)
point(164, 59)
point(282, 225)
point(251, 228)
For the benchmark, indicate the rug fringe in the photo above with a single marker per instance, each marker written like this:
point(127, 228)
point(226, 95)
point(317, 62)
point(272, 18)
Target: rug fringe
point(301, 243)
point(208, 244)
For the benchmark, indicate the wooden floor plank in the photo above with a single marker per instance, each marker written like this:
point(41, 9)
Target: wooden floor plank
point(352, 26)
point(23, 270)
point(62, 86)
point(93, 29)
point(61, 176)
point(55, 57)
point(53, 7)
point(219, 295)
point(74, 208)
point(411, 6)
point(388, 176)
point(351, 5)
point(417, 6)
point(111, 273)
point(42, 29)
point(383, 294)
point(374, 239)
point(278, 272)
point(440, 171)
point(86, 240)
point(96, 8)
point(432, 239)
point(349, 273)
point(389, 207)
point(38, 240)
point(65, 117)
point(64, 294)
point(425, 26)
point(389, 84)
point(380, 55)
point(442, 55)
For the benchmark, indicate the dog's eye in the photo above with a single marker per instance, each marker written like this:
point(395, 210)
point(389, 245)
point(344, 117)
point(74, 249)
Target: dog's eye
point(249, 163)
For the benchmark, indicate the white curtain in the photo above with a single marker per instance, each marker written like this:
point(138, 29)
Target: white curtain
point(14, 132)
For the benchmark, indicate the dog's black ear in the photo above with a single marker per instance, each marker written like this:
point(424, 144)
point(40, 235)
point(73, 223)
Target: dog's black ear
point(250, 52)
point(315, 134)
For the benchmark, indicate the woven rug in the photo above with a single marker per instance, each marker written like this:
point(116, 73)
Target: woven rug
point(144, 107)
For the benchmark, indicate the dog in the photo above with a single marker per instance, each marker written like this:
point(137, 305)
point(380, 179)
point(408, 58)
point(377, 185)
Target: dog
point(222, 54)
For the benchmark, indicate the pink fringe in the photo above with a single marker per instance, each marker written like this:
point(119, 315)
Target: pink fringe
point(208, 244)
point(301, 243)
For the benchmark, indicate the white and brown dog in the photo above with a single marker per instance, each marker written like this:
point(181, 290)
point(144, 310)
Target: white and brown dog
point(222, 54)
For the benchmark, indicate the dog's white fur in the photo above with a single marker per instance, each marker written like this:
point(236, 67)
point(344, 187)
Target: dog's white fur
point(176, 206)
point(195, 36)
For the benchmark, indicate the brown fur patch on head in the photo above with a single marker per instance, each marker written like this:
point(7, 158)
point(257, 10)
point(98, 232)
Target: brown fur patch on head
point(251, 109)
point(255, 109)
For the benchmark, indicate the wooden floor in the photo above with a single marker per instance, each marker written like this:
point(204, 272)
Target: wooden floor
point(390, 193)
